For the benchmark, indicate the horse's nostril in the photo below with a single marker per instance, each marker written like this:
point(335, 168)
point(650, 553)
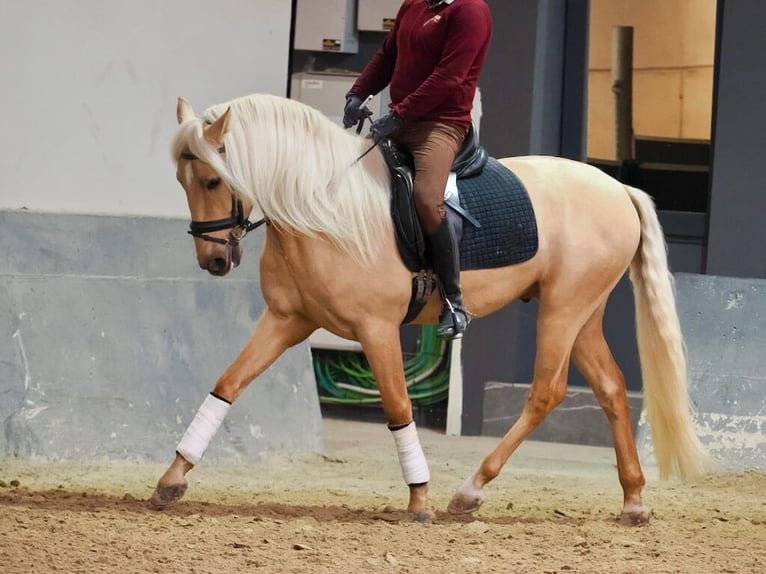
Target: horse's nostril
point(218, 266)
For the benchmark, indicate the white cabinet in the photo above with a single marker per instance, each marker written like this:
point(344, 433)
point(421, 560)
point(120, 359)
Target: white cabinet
point(327, 93)
point(326, 26)
point(377, 15)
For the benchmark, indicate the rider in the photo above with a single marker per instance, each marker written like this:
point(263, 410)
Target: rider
point(432, 58)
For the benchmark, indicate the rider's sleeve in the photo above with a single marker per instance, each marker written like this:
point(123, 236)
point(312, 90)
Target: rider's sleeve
point(377, 73)
point(470, 29)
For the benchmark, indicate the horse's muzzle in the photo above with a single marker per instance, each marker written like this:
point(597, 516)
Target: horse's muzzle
point(219, 264)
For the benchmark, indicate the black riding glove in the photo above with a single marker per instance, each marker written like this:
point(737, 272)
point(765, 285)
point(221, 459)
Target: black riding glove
point(385, 126)
point(352, 113)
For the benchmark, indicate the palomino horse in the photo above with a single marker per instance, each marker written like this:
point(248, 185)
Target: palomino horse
point(330, 260)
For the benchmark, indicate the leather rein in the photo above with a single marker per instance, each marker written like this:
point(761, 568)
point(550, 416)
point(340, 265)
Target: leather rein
point(239, 225)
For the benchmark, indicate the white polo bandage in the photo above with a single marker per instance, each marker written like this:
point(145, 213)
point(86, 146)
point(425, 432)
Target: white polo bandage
point(411, 457)
point(202, 429)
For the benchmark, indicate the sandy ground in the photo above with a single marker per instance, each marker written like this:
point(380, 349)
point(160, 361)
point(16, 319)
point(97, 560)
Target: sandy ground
point(552, 510)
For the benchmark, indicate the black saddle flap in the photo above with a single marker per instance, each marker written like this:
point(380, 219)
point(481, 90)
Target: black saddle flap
point(410, 241)
point(409, 234)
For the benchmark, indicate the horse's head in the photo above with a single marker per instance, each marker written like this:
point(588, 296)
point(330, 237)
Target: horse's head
point(290, 165)
point(219, 216)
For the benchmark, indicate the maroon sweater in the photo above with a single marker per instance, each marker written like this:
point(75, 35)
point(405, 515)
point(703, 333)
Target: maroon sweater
point(432, 58)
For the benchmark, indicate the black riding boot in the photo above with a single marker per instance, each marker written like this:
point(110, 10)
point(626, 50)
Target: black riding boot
point(446, 259)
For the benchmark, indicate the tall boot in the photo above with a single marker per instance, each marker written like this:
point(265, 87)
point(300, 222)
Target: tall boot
point(446, 260)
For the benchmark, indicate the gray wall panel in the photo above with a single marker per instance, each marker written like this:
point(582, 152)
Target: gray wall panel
point(102, 360)
point(737, 242)
point(724, 321)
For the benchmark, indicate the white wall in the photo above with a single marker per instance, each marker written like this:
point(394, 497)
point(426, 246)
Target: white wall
point(89, 88)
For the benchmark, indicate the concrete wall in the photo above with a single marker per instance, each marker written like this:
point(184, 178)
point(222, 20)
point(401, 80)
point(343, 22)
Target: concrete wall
point(111, 337)
point(579, 419)
point(724, 324)
point(90, 86)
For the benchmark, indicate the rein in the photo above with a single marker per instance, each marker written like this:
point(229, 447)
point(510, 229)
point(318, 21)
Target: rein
point(369, 149)
point(240, 226)
point(365, 116)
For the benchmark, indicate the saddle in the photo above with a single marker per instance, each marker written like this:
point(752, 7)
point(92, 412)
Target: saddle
point(469, 162)
point(410, 240)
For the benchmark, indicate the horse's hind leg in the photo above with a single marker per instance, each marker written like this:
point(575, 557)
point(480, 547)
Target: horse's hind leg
point(556, 332)
point(594, 360)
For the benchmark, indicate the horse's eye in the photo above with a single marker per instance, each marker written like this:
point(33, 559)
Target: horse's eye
point(213, 183)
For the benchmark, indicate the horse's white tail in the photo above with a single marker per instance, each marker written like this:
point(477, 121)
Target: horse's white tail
point(661, 351)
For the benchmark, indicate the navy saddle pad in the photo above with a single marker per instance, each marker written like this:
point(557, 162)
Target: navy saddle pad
point(498, 200)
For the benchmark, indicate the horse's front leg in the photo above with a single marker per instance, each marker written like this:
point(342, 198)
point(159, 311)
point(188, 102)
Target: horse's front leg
point(273, 335)
point(382, 346)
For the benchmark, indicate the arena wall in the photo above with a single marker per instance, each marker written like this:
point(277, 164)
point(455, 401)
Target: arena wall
point(112, 337)
point(90, 88)
point(724, 325)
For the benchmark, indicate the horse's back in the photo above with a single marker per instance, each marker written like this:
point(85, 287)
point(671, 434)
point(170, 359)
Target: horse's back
point(556, 185)
point(560, 178)
point(586, 219)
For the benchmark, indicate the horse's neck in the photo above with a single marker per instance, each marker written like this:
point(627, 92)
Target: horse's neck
point(310, 260)
point(375, 164)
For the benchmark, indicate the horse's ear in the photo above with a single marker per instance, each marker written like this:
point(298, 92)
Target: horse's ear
point(215, 132)
point(184, 111)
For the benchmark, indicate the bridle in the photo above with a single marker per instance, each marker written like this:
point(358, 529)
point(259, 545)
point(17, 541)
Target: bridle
point(239, 225)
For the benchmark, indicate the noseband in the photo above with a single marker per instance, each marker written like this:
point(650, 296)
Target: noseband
point(237, 222)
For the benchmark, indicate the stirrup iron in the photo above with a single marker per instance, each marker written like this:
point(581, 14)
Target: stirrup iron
point(452, 322)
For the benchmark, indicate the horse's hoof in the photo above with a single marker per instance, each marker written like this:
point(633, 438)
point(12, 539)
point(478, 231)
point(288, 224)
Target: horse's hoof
point(467, 499)
point(421, 516)
point(635, 515)
point(165, 495)
point(465, 503)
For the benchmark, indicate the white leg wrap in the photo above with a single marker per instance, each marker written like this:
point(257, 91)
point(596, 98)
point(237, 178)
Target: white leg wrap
point(203, 428)
point(411, 457)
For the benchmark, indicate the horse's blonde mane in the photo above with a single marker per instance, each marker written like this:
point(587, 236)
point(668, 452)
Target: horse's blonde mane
point(291, 162)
